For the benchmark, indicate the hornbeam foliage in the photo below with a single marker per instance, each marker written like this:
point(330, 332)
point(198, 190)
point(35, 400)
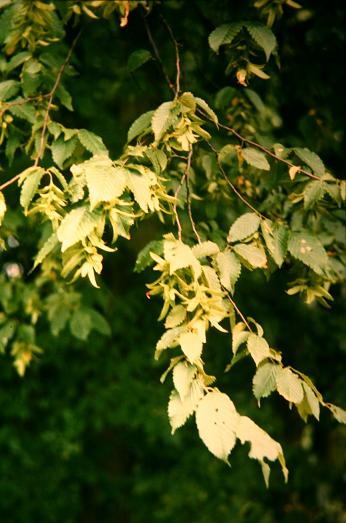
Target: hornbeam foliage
point(230, 200)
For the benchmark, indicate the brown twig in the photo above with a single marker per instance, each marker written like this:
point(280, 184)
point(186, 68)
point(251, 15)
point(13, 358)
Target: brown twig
point(268, 152)
point(176, 194)
point(238, 311)
point(7, 105)
point(234, 189)
point(157, 55)
point(51, 97)
point(177, 56)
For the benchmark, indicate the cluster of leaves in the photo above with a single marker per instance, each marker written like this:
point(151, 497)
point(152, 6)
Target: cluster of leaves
point(175, 155)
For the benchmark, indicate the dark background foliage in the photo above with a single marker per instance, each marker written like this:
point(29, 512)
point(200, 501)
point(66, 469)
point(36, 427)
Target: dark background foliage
point(84, 436)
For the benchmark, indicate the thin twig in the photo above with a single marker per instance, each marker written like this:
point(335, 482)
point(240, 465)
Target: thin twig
point(177, 56)
point(157, 55)
point(239, 311)
point(268, 152)
point(188, 198)
point(51, 97)
point(234, 189)
point(7, 105)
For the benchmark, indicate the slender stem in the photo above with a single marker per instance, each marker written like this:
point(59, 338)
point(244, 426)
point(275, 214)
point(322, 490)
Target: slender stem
point(234, 189)
point(7, 105)
point(268, 152)
point(51, 97)
point(239, 311)
point(157, 55)
point(177, 56)
point(9, 182)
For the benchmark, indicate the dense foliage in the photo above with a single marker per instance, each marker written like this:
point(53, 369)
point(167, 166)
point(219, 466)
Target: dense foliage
point(188, 137)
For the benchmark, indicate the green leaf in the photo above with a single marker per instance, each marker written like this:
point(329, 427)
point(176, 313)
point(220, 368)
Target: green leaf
point(76, 226)
point(176, 316)
point(255, 158)
point(158, 159)
point(105, 182)
point(25, 111)
point(162, 119)
point(309, 250)
point(263, 37)
point(224, 34)
point(203, 249)
point(30, 180)
point(239, 336)
point(144, 259)
point(179, 255)
point(313, 192)
point(252, 256)
point(191, 345)
point(183, 374)
point(202, 104)
point(229, 269)
point(48, 246)
point(262, 446)
point(180, 410)
point(62, 150)
point(310, 403)
point(311, 159)
point(8, 88)
point(2, 207)
point(140, 186)
point(258, 348)
point(338, 413)
point(99, 323)
point(138, 58)
point(276, 238)
point(264, 381)
point(80, 324)
point(289, 385)
point(140, 126)
point(217, 419)
point(92, 142)
point(243, 227)
point(169, 339)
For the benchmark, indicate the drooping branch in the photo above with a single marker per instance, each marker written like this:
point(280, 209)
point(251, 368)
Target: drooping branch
point(177, 56)
point(268, 152)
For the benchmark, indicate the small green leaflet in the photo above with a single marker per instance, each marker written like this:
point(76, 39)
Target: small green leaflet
point(8, 88)
point(140, 185)
point(175, 317)
point(158, 159)
point(179, 256)
point(251, 255)
point(30, 180)
point(183, 374)
point(313, 192)
point(338, 413)
point(48, 246)
point(224, 34)
point(311, 159)
point(202, 104)
point(309, 250)
point(255, 158)
point(2, 207)
point(92, 142)
point(264, 381)
point(162, 119)
point(310, 403)
point(203, 249)
point(80, 324)
point(140, 126)
point(180, 410)
point(144, 259)
point(289, 385)
point(276, 238)
point(263, 37)
point(258, 348)
point(76, 226)
point(262, 446)
point(246, 225)
point(191, 345)
point(105, 182)
point(25, 111)
point(137, 59)
point(217, 419)
point(229, 269)
point(62, 150)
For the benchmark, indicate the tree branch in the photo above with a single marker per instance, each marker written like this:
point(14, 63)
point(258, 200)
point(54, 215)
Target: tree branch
point(268, 152)
point(177, 56)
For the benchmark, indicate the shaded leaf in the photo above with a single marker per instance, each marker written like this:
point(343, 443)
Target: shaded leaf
point(224, 34)
point(246, 225)
point(309, 250)
point(138, 58)
point(229, 269)
point(92, 142)
point(311, 159)
point(255, 158)
point(263, 37)
point(139, 126)
point(253, 256)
